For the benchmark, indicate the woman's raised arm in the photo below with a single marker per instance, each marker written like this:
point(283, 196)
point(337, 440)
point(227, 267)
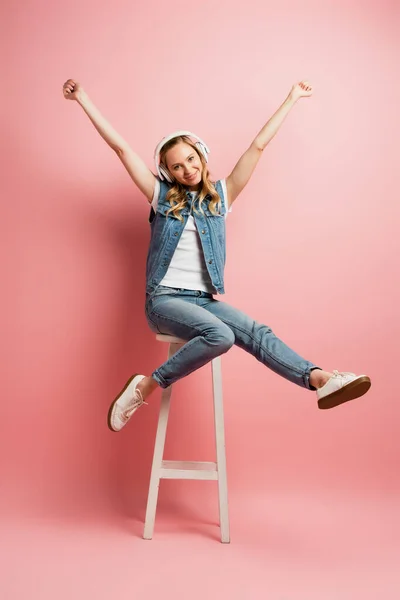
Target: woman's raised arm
point(245, 166)
point(136, 167)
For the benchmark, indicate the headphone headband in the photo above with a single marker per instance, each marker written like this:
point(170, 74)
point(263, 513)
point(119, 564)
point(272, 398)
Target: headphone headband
point(202, 147)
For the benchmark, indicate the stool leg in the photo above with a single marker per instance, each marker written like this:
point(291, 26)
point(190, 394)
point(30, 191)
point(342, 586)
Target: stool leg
point(220, 448)
point(158, 456)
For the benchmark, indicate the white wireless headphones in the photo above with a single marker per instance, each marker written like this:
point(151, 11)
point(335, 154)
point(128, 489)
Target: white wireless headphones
point(200, 145)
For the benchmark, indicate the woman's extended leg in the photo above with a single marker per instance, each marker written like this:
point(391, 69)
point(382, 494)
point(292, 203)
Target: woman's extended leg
point(260, 341)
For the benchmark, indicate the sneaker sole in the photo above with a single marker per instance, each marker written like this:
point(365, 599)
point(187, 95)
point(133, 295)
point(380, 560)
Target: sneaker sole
point(114, 401)
point(352, 390)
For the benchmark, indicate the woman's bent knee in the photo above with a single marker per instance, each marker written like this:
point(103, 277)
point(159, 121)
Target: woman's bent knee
point(225, 339)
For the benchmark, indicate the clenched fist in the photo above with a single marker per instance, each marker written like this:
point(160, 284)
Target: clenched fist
point(71, 89)
point(302, 89)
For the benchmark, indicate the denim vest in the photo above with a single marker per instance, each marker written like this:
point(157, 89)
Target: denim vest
point(166, 232)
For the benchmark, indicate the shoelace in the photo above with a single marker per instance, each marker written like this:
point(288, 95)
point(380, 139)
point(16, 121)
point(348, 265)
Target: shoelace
point(136, 402)
point(340, 374)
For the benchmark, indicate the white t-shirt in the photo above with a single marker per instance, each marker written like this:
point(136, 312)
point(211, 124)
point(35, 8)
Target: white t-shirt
point(188, 268)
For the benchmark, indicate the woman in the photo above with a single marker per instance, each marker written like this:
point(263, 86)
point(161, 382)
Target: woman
point(185, 264)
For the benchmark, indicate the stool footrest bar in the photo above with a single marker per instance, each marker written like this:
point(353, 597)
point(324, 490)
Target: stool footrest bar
point(184, 469)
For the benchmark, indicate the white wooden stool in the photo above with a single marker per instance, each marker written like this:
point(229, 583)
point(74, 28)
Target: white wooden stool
point(171, 469)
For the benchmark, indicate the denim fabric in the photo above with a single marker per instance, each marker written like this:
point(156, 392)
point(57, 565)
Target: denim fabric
point(166, 232)
point(210, 328)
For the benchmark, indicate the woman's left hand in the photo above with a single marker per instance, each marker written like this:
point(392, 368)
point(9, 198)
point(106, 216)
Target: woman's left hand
point(304, 88)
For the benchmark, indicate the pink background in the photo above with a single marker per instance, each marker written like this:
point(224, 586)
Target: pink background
point(313, 247)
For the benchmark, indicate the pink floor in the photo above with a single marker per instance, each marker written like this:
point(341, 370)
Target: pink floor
point(285, 546)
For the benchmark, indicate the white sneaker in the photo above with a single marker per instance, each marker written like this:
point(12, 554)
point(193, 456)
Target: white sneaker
point(125, 404)
point(341, 388)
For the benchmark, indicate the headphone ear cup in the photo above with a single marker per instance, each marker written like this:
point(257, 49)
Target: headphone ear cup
point(202, 149)
point(165, 173)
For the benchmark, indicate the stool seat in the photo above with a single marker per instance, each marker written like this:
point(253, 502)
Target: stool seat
point(163, 337)
point(178, 469)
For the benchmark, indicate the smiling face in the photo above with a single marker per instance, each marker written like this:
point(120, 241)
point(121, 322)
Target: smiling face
point(184, 164)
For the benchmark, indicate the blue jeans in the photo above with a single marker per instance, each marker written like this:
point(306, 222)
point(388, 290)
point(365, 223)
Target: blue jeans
point(211, 327)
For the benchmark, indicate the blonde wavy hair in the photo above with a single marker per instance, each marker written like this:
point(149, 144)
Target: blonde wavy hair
point(176, 196)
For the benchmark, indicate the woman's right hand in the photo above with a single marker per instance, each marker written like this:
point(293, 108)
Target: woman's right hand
point(71, 89)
